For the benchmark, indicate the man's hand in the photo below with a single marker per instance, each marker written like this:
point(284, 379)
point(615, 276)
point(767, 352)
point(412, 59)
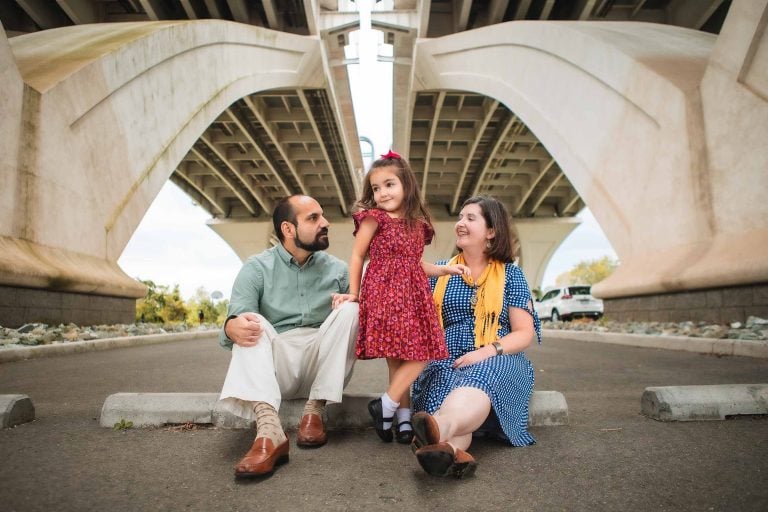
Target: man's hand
point(244, 330)
point(337, 299)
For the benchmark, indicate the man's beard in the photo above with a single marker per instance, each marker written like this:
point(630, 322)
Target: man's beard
point(316, 245)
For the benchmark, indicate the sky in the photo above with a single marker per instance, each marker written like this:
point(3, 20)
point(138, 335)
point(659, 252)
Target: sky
point(173, 245)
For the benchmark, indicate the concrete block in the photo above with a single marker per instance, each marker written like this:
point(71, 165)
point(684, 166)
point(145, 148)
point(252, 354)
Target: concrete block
point(715, 402)
point(547, 408)
point(156, 409)
point(15, 410)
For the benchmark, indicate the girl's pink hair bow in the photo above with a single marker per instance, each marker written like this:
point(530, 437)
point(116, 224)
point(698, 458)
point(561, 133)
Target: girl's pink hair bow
point(391, 154)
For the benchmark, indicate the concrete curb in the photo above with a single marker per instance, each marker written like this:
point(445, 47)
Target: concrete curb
point(693, 403)
point(8, 355)
point(15, 410)
point(719, 347)
point(547, 408)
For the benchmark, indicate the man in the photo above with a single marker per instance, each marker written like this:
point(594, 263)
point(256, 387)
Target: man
point(286, 339)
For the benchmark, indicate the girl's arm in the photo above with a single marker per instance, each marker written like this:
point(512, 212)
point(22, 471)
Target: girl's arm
point(433, 270)
point(518, 339)
point(363, 238)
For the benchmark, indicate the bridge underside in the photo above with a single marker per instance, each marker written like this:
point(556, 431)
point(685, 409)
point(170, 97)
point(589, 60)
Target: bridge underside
point(659, 129)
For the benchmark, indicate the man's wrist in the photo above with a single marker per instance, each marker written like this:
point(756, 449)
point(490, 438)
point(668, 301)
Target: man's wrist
point(230, 317)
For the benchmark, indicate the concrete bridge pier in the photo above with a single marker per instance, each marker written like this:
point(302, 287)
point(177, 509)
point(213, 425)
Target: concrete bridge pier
point(95, 120)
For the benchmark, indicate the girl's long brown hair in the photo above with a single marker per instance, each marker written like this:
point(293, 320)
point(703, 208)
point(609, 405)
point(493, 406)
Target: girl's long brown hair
point(414, 208)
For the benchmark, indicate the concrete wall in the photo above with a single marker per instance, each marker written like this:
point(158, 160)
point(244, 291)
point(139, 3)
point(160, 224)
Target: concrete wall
point(619, 107)
point(714, 306)
point(726, 242)
point(21, 305)
point(109, 111)
point(11, 181)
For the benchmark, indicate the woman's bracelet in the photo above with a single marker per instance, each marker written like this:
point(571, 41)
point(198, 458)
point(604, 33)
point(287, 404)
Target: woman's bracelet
point(498, 347)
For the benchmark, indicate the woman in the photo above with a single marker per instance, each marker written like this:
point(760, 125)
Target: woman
point(488, 320)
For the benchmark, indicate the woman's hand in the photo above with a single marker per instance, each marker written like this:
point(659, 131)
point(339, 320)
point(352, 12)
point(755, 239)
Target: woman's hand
point(474, 357)
point(337, 299)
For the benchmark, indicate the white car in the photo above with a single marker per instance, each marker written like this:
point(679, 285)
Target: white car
point(569, 302)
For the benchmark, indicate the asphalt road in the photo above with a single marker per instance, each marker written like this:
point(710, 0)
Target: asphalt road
point(609, 458)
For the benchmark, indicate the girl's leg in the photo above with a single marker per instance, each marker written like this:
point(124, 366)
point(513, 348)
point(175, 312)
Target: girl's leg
point(401, 376)
point(462, 412)
point(404, 375)
point(403, 425)
point(390, 402)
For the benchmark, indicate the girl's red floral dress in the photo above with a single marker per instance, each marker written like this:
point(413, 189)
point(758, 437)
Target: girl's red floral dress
point(398, 318)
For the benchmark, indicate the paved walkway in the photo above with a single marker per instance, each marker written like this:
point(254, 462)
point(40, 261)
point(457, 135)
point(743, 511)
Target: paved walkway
point(608, 458)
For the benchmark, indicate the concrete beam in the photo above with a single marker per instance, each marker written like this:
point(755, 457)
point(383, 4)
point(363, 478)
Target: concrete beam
point(692, 13)
point(42, 13)
point(155, 9)
point(79, 11)
point(693, 403)
point(547, 408)
point(194, 9)
point(15, 410)
point(239, 10)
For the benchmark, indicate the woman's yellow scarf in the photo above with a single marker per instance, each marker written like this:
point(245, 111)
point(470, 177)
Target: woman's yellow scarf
point(489, 290)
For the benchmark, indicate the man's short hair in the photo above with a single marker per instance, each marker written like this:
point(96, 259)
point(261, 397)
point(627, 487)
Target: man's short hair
point(283, 212)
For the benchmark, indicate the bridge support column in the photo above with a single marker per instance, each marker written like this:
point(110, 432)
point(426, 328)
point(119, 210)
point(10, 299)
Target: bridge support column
point(248, 237)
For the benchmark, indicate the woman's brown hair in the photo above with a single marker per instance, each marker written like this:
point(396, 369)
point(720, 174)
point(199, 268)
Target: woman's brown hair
point(505, 245)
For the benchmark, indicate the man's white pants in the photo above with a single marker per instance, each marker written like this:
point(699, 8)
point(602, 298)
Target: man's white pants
point(305, 362)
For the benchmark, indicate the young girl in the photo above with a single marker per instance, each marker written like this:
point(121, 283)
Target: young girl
point(398, 319)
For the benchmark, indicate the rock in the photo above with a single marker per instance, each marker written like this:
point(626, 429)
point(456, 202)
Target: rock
point(26, 328)
point(48, 337)
point(71, 335)
point(755, 320)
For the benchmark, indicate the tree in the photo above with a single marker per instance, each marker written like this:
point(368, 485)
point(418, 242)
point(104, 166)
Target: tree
point(588, 272)
point(161, 304)
point(201, 301)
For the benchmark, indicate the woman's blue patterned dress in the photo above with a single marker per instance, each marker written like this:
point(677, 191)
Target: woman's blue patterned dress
point(506, 379)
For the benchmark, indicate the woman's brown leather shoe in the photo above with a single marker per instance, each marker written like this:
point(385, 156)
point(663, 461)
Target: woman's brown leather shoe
point(442, 460)
point(311, 432)
point(436, 459)
point(426, 431)
point(262, 458)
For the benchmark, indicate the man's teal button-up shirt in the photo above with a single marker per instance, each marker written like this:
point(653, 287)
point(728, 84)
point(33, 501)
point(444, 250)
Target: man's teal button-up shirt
point(288, 296)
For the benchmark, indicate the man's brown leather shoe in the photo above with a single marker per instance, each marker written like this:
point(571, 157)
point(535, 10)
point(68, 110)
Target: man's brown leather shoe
point(262, 458)
point(311, 431)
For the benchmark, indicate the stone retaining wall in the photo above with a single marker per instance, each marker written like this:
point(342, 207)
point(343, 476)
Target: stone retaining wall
point(716, 306)
point(21, 305)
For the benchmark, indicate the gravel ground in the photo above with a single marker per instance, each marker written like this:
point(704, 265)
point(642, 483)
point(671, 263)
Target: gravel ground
point(41, 334)
point(754, 328)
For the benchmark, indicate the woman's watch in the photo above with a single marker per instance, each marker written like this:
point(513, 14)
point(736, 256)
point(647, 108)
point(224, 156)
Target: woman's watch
point(498, 347)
